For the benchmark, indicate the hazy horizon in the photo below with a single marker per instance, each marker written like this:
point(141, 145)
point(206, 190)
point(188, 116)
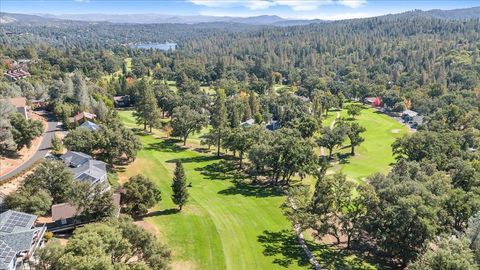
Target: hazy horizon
point(299, 9)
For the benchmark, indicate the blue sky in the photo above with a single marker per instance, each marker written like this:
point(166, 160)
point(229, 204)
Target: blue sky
point(301, 9)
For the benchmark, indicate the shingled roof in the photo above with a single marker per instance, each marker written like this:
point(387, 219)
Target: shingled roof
point(84, 167)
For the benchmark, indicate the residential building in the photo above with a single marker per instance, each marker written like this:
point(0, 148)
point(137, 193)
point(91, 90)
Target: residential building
point(64, 213)
point(90, 126)
point(408, 114)
point(416, 121)
point(248, 123)
point(82, 117)
point(412, 118)
point(39, 103)
point(20, 104)
point(122, 101)
point(16, 74)
point(19, 238)
point(374, 101)
point(273, 125)
point(85, 168)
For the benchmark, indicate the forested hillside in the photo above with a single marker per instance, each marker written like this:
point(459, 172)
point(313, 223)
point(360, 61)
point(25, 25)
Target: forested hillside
point(284, 107)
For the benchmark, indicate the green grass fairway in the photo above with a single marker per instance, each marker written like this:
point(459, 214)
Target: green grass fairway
point(230, 225)
point(128, 63)
point(225, 225)
point(375, 153)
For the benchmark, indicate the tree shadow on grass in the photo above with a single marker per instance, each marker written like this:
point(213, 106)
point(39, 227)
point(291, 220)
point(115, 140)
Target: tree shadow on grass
point(283, 245)
point(222, 170)
point(140, 132)
point(342, 259)
point(193, 159)
point(358, 258)
point(168, 145)
point(247, 189)
point(343, 158)
point(164, 212)
point(119, 169)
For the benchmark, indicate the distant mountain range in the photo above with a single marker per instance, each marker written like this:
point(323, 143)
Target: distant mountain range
point(466, 13)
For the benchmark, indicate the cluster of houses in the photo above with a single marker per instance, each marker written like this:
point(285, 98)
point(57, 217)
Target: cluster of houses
point(21, 233)
point(411, 118)
point(86, 169)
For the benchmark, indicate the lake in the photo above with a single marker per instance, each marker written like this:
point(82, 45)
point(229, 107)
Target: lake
point(157, 46)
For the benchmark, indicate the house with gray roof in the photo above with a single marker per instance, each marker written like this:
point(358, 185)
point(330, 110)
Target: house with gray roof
point(409, 114)
point(273, 125)
point(90, 126)
point(19, 238)
point(248, 123)
point(85, 168)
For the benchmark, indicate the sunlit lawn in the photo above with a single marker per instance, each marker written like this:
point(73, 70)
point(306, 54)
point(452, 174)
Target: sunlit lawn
point(231, 225)
point(375, 153)
point(226, 224)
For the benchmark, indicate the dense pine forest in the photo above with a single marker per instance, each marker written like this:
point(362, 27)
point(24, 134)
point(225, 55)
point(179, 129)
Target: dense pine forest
point(221, 75)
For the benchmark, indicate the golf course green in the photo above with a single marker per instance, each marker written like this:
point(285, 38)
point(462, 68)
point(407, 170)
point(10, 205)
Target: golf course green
point(225, 224)
point(375, 153)
point(228, 224)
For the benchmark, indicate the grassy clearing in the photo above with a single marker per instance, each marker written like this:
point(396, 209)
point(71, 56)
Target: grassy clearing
point(375, 153)
point(230, 225)
point(226, 224)
point(128, 64)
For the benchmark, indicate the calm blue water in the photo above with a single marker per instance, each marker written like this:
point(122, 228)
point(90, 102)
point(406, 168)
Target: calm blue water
point(157, 46)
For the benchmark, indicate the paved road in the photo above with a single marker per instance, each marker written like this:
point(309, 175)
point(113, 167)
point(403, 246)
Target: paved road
point(45, 145)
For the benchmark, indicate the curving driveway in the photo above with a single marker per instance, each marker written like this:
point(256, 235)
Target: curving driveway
point(43, 148)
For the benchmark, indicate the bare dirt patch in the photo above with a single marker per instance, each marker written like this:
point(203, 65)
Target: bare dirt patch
point(148, 226)
point(183, 265)
point(13, 184)
point(137, 166)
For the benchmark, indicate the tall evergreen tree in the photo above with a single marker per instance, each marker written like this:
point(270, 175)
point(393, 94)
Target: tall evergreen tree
point(219, 117)
point(179, 186)
point(253, 103)
point(81, 94)
point(146, 108)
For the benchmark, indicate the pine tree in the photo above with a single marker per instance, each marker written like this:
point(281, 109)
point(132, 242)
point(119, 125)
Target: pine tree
point(81, 94)
point(146, 107)
point(219, 117)
point(179, 186)
point(253, 103)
